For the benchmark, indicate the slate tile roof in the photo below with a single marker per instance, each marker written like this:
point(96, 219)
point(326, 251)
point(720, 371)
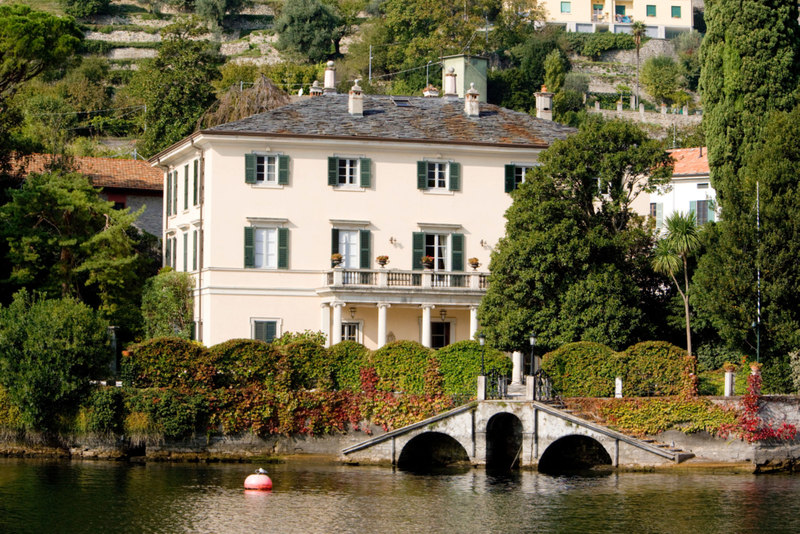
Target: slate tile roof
point(425, 119)
point(106, 172)
point(690, 161)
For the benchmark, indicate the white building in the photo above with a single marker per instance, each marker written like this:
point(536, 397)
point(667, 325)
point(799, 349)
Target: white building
point(663, 19)
point(255, 209)
point(689, 190)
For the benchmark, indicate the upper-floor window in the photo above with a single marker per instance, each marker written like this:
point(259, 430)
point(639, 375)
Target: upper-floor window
point(438, 176)
point(702, 186)
point(266, 247)
point(676, 12)
point(703, 210)
point(349, 172)
point(266, 169)
point(354, 246)
point(447, 250)
point(651, 11)
point(566, 7)
point(515, 175)
point(348, 168)
point(436, 248)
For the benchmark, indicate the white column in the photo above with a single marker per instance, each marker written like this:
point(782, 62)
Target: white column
point(325, 326)
point(426, 324)
point(516, 373)
point(473, 321)
point(382, 324)
point(336, 335)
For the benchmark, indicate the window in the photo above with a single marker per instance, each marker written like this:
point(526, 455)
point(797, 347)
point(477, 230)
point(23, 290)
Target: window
point(265, 330)
point(169, 194)
point(703, 210)
point(440, 334)
point(196, 195)
point(185, 251)
point(350, 332)
point(171, 252)
point(566, 7)
point(619, 10)
point(657, 212)
point(447, 250)
point(175, 193)
point(186, 187)
point(515, 175)
point(266, 169)
point(354, 246)
point(436, 248)
point(266, 248)
point(194, 250)
point(651, 11)
point(119, 205)
point(702, 186)
point(350, 172)
point(438, 176)
point(676, 12)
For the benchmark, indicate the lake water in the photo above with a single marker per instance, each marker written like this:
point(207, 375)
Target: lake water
point(48, 496)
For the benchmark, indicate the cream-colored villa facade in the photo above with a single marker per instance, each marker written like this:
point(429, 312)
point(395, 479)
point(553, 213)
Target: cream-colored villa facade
point(256, 208)
point(663, 19)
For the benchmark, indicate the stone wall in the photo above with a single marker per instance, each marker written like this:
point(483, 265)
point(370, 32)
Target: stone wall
point(652, 48)
point(662, 120)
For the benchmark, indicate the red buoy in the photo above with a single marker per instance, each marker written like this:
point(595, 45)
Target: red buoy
point(258, 481)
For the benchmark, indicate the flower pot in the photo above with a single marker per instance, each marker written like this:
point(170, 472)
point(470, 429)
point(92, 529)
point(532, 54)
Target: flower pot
point(382, 263)
point(427, 264)
point(474, 266)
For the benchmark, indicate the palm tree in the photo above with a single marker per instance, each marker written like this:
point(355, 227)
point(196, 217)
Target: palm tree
point(638, 31)
point(671, 255)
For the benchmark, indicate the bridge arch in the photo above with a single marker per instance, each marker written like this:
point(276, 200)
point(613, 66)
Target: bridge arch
point(573, 453)
point(503, 441)
point(430, 450)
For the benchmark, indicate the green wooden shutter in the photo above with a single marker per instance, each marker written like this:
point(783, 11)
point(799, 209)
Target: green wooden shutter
point(167, 252)
point(511, 182)
point(175, 193)
point(422, 175)
point(249, 247)
point(270, 331)
point(457, 255)
point(334, 242)
point(455, 177)
point(693, 207)
point(249, 168)
point(333, 171)
point(283, 170)
point(364, 243)
point(366, 172)
point(659, 216)
point(185, 251)
point(259, 330)
point(194, 250)
point(169, 194)
point(283, 248)
point(196, 179)
point(711, 211)
point(175, 253)
point(186, 187)
point(418, 250)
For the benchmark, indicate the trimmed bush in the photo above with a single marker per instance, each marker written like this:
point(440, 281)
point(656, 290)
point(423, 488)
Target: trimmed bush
point(169, 362)
point(583, 369)
point(347, 359)
point(173, 415)
point(241, 362)
point(105, 410)
point(306, 365)
point(401, 366)
point(460, 364)
point(653, 368)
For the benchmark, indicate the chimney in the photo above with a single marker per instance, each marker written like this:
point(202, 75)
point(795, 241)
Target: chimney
point(471, 104)
point(430, 91)
point(544, 104)
point(316, 90)
point(330, 79)
point(450, 88)
point(355, 101)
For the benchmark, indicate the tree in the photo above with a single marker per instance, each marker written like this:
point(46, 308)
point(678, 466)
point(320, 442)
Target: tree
point(568, 267)
point(85, 8)
point(238, 103)
point(168, 305)
point(672, 255)
point(175, 86)
point(214, 10)
point(638, 30)
point(49, 349)
point(555, 67)
point(687, 46)
point(310, 28)
point(661, 76)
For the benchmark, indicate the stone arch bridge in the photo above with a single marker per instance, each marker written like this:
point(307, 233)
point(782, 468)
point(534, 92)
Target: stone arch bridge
point(506, 434)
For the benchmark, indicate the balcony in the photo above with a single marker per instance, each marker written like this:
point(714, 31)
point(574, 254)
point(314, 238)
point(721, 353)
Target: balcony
point(394, 279)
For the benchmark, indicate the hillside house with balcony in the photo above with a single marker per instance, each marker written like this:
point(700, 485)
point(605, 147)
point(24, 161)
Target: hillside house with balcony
point(663, 19)
point(256, 208)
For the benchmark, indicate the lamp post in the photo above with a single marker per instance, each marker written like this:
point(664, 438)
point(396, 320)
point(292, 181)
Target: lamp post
point(533, 342)
point(482, 341)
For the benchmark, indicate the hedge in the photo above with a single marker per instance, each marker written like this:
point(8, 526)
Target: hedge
point(401, 366)
point(347, 358)
point(168, 362)
point(240, 362)
point(306, 365)
point(582, 369)
point(460, 364)
point(652, 368)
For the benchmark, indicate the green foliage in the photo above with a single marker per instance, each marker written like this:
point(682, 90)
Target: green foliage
point(105, 410)
point(565, 102)
point(652, 416)
point(592, 45)
point(49, 349)
point(309, 364)
point(460, 365)
point(170, 362)
point(308, 27)
point(653, 368)
point(10, 419)
point(661, 76)
point(175, 415)
point(576, 81)
point(510, 89)
point(85, 8)
point(347, 358)
point(305, 335)
point(583, 369)
point(687, 46)
point(573, 265)
point(556, 66)
point(242, 362)
point(401, 366)
point(214, 10)
point(168, 305)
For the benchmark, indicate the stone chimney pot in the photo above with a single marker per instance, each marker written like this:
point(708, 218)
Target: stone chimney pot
point(544, 104)
point(330, 79)
point(316, 90)
point(355, 100)
point(450, 87)
point(471, 103)
point(430, 91)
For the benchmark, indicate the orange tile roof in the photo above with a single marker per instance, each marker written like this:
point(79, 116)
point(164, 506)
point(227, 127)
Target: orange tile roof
point(690, 160)
point(106, 172)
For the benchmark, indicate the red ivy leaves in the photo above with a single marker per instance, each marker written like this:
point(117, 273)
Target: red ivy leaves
point(751, 427)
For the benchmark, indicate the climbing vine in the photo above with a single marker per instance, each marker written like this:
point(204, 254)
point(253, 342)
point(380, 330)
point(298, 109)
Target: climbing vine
point(750, 426)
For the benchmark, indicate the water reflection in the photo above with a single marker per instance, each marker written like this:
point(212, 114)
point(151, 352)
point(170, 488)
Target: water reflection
point(78, 497)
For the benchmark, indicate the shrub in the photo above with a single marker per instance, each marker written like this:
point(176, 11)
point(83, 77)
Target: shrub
point(460, 364)
point(576, 81)
point(174, 415)
point(347, 359)
point(401, 366)
point(592, 45)
point(661, 76)
point(241, 362)
point(105, 410)
point(85, 8)
point(306, 365)
point(653, 368)
point(167, 305)
point(292, 337)
point(566, 101)
point(9, 414)
point(169, 362)
point(582, 369)
point(49, 349)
